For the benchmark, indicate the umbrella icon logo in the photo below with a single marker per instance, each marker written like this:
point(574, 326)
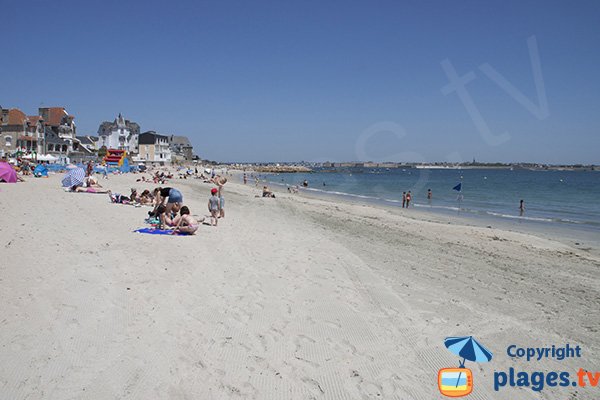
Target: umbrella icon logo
point(458, 382)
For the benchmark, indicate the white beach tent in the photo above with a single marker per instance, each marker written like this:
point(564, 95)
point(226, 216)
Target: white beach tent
point(41, 157)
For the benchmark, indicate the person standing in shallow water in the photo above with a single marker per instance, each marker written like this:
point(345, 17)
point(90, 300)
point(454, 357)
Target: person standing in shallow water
point(408, 198)
point(521, 208)
point(403, 199)
point(429, 196)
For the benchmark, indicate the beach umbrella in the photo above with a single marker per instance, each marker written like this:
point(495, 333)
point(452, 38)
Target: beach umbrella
point(7, 173)
point(468, 348)
point(74, 177)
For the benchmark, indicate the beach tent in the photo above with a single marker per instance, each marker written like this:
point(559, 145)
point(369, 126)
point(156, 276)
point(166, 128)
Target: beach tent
point(40, 171)
point(41, 157)
point(7, 173)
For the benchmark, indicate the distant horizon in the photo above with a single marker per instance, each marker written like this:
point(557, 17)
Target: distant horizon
point(317, 81)
point(404, 162)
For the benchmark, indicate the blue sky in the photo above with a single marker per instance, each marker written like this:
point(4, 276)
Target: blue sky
point(315, 80)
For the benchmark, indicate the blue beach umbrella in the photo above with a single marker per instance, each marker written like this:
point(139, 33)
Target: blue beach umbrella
point(74, 177)
point(469, 349)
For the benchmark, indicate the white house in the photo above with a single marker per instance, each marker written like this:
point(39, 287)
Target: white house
point(121, 134)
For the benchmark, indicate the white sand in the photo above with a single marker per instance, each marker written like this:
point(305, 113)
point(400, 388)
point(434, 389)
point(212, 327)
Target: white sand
point(288, 298)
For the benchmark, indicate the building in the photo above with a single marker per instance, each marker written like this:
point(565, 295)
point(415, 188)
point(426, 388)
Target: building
point(121, 134)
point(181, 148)
point(154, 148)
point(59, 131)
point(20, 133)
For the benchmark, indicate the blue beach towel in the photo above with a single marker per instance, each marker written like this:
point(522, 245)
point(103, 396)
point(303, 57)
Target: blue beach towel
point(152, 231)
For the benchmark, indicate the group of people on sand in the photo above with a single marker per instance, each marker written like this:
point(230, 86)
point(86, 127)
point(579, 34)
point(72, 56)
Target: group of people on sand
point(171, 213)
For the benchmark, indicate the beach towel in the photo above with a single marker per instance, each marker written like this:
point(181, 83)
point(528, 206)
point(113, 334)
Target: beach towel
point(152, 231)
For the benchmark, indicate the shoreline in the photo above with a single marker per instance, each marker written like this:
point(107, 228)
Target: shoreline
point(575, 235)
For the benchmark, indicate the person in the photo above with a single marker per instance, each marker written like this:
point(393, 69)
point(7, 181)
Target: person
point(81, 189)
point(521, 208)
point(174, 196)
point(185, 223)
point(134, 196)
point(90, 181)
point(403, 199)
point(160, 215)
point(146, 197)
point(245, 179)
point(408, 198)
point(104, 170)
point(305, 183)
point(89, 169)
point(429, 196)
point(267, 193)
point(214, 206)
point(221, 181)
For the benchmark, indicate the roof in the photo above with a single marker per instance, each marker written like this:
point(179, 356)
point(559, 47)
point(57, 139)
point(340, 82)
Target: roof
point(87, 139)
point(52, 137)
point(34, 119)
point(180, 140)
point(55, 115)
point(16, 117)
point(150, 137)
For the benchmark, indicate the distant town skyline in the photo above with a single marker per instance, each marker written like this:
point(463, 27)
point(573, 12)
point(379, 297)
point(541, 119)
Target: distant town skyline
point(323, 81)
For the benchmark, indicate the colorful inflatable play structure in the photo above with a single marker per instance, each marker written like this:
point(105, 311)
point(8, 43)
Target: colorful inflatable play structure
point(114, 157)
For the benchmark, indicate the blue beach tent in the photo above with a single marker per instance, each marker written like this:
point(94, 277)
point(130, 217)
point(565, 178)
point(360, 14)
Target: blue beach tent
point(40, 171)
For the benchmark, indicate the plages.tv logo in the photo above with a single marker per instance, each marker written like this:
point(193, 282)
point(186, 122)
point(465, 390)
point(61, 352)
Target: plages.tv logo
point(458, 382)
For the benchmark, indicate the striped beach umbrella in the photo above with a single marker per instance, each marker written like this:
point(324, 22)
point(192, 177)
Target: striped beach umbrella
point(74, 177)
point(468, 348)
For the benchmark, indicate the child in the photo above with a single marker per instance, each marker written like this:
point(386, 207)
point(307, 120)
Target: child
point(214, 206)
point(160, 214)
point(185, 223)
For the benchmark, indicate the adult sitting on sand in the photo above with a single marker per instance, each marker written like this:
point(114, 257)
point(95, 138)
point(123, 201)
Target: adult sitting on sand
point(161, 195)
point(267, 193)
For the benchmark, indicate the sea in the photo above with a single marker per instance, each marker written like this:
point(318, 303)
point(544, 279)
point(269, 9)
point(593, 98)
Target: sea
point(556, 197)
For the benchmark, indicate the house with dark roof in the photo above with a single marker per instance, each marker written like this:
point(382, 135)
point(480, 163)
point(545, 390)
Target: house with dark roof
point(58, 121)
point(154, 148)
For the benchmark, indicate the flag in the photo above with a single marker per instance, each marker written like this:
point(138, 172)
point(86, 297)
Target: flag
point(457, 187)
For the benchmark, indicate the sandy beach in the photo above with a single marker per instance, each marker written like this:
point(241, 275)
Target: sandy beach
point(288, 298)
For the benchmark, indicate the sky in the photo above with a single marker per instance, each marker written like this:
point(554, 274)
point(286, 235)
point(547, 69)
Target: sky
point(252, 81)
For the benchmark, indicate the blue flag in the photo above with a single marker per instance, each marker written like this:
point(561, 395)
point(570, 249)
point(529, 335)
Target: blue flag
point(457, 187)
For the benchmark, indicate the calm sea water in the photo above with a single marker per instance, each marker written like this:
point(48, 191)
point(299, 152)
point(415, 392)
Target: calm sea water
point(558, 197)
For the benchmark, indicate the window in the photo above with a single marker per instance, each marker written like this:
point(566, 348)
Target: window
point(50, 147)
point(7, 141)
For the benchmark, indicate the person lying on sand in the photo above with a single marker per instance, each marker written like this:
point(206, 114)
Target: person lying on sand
point(185, 223)
point(80, 189)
